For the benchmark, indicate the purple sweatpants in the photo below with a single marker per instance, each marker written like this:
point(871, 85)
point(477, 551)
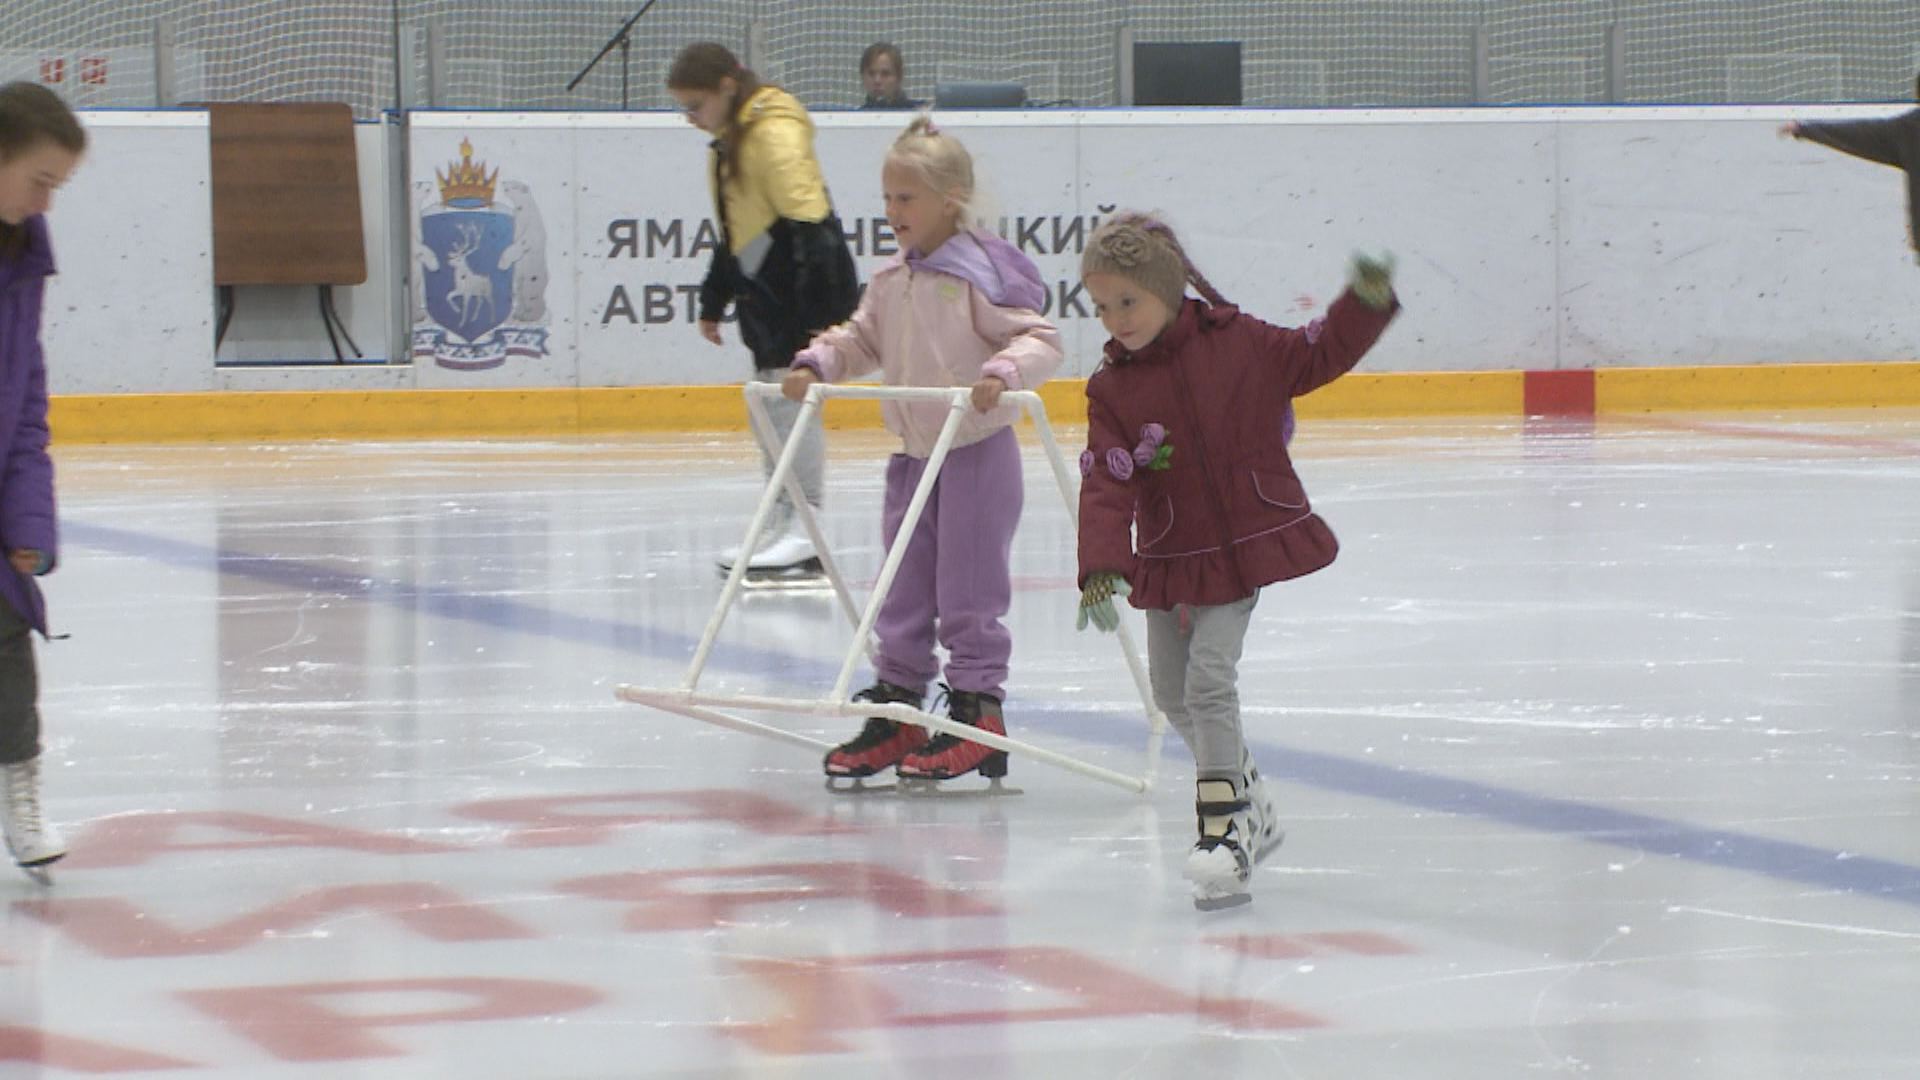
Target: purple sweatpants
point(955, 580)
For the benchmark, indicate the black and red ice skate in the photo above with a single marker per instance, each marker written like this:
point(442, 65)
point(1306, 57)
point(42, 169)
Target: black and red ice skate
point(881, 745)
point(946, 757)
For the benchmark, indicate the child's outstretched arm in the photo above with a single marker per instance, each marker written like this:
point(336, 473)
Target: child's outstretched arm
point(1331, 347)
point(1875, 140)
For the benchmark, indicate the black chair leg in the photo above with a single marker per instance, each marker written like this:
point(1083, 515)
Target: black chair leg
point(330, 316)
point(224, 314)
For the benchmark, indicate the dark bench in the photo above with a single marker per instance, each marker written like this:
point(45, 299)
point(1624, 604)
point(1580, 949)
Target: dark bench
point(286, 204)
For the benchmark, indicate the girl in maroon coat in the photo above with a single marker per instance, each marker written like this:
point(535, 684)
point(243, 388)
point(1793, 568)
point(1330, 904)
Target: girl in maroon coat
point(1189, 503)
point(40, 143)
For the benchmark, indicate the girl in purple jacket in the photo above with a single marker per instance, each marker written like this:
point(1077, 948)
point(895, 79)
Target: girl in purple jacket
point(1189, 502)
point(40, 144)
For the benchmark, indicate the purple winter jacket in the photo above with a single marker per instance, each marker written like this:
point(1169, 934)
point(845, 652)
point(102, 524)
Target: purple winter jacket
point(26, 485)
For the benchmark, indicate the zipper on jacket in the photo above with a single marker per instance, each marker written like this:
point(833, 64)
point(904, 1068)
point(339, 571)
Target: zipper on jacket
point(907, 416)
point(1206, 477)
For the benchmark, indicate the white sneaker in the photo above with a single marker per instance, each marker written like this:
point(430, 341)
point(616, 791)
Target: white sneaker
point(31, 840)
point(789, 550)
point(1222, 858)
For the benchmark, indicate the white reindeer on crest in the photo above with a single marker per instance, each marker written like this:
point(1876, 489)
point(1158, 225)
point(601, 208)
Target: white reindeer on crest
point(470, 290)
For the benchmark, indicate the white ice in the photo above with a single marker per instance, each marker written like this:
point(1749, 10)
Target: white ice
point(1597, 752)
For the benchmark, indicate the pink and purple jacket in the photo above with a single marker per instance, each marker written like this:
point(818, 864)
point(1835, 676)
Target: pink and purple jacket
point(970, 309)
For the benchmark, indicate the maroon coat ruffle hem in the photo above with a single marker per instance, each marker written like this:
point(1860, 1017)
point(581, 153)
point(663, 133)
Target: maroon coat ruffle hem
point(1228, 514)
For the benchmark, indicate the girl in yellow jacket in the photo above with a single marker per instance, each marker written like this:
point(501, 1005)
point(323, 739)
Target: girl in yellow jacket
point(782, 262)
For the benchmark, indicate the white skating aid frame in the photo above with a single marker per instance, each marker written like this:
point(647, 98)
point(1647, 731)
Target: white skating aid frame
point(721, 709)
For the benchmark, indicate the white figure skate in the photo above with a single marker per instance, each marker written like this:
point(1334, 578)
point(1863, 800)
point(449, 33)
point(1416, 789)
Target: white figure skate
point(1236, 832)
point(34, 843)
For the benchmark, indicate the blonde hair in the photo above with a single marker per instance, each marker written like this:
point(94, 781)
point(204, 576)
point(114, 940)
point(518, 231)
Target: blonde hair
point(940, 160)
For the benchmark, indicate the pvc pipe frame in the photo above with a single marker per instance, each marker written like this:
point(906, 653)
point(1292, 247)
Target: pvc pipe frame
point(687, 700)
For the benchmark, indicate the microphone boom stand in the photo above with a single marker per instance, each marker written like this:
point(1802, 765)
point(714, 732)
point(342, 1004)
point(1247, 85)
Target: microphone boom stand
point(623, 40)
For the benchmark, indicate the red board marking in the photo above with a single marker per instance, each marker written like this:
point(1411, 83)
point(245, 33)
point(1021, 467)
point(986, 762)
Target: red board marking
point(1896, 447)
point(829, 996)
point(588, 820)
point(116, 928)
point(138, 839)
point(665, 905)
point(1559, 393)
point(37, 1047)
point(295, 1023)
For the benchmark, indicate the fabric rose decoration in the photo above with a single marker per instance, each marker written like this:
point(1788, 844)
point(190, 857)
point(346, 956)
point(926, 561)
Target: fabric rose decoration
point(1154, 451)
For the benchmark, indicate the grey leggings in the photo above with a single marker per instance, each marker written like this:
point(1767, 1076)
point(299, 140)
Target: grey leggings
point(809, 467)
point(1195, 681)
point(19, 689)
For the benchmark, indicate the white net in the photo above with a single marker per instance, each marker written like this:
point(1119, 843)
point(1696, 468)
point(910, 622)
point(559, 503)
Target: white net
point(225, 50)
point(1772, 50)
point(1298, 53)
point(1554, 53)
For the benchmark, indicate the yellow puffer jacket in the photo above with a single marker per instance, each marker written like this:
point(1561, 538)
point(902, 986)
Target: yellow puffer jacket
point(785, 267)
point(777, 175)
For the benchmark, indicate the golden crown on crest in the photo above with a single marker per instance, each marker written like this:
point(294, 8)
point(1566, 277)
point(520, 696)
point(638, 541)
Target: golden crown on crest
point(466, 182)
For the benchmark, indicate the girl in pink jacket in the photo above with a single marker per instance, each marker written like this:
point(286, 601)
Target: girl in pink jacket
point(958, 307)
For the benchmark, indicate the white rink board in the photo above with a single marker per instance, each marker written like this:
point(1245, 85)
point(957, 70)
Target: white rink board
point(1527, 238)
point(1271, 213)
point(1711, 242)
point(131, 309)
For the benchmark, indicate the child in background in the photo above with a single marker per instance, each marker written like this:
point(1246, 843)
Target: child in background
point(1189, 503)
point(1891, 140)
point(40, 145)
point(958, 306)
point(882, 70)
point(782, 262)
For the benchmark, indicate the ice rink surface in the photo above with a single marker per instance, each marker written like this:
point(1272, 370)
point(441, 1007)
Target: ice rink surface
point(1598, 751)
